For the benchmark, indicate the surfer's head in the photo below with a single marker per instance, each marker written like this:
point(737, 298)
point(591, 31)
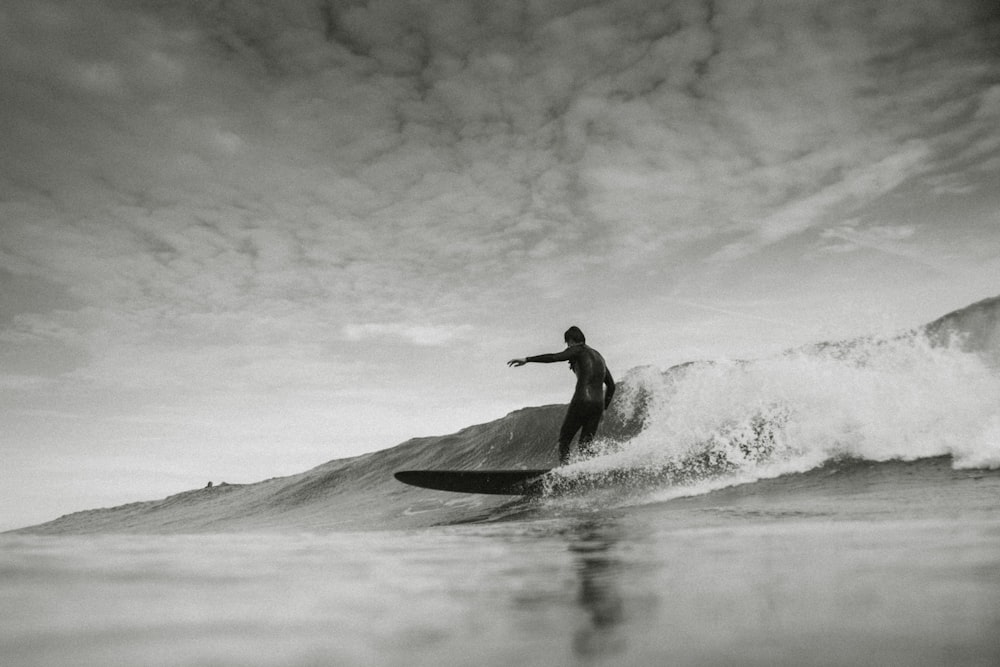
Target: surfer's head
point(573, 335)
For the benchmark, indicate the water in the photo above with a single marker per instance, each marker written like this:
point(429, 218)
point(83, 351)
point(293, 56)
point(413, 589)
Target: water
point(622, 588)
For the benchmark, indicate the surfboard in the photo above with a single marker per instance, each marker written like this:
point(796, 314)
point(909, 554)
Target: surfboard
point(499, 482)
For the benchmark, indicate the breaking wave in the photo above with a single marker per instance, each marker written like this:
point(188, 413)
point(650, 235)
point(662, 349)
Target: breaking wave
point(929, 393)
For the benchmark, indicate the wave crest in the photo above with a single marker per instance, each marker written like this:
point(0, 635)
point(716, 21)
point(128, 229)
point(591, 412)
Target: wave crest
point(916, 396)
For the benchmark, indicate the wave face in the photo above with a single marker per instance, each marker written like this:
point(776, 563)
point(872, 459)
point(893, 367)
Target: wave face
point(973, 329)
point(930, 393)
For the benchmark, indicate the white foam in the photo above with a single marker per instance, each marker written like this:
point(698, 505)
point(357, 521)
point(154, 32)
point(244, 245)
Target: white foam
point(726, 422)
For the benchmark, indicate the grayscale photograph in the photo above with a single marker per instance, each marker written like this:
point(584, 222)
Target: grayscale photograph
point(556, 333)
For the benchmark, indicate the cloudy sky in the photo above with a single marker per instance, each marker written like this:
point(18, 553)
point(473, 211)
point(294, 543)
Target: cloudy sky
point(242, 238)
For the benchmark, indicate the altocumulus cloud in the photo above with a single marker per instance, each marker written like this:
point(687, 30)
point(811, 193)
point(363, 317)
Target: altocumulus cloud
point(374, 152)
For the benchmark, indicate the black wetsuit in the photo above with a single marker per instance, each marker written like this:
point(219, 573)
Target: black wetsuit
point(590, 398)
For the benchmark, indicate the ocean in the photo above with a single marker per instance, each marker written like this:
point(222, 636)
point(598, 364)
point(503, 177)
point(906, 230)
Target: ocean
point(833, 505)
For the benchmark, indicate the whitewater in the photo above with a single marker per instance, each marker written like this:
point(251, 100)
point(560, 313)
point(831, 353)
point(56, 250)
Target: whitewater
point(837, 504)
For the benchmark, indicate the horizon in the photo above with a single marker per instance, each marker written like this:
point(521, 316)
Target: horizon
point(238, 242)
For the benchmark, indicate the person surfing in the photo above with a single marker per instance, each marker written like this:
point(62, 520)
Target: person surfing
point(594, 389)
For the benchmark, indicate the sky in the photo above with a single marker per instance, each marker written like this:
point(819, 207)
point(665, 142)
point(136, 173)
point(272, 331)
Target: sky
point(239, 239)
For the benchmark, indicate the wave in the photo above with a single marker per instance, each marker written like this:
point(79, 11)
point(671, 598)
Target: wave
point(927, 393)
point(692, 429)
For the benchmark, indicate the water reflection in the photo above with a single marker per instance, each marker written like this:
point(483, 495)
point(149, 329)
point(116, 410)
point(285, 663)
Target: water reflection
point(592, 544)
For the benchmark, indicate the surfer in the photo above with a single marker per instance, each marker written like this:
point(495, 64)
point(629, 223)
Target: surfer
point(594, 389)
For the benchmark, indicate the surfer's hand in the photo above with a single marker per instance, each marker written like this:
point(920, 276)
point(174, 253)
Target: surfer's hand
point(517, 362)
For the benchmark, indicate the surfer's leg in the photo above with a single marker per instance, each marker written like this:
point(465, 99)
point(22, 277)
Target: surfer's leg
point(591, 420)
point(571, 424)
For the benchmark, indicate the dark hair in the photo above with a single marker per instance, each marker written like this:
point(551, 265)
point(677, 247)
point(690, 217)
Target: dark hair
point(574, 335)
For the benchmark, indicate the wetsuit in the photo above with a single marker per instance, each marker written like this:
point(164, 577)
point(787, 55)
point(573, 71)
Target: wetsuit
point(590, 398)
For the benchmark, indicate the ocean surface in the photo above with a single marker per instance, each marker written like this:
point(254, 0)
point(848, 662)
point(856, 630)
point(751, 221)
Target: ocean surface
point(834, 505)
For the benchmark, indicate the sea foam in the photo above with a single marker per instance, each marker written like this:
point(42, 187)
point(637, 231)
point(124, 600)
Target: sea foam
point(714, 423)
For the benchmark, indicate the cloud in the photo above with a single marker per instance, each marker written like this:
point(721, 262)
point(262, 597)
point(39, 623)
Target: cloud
point(423, 335)
point(879, 236)
point(860, 187)
point(611, 129)
point(900, 241)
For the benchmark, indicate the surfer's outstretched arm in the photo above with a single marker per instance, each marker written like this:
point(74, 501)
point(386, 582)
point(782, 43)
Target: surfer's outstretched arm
point(565, 355)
